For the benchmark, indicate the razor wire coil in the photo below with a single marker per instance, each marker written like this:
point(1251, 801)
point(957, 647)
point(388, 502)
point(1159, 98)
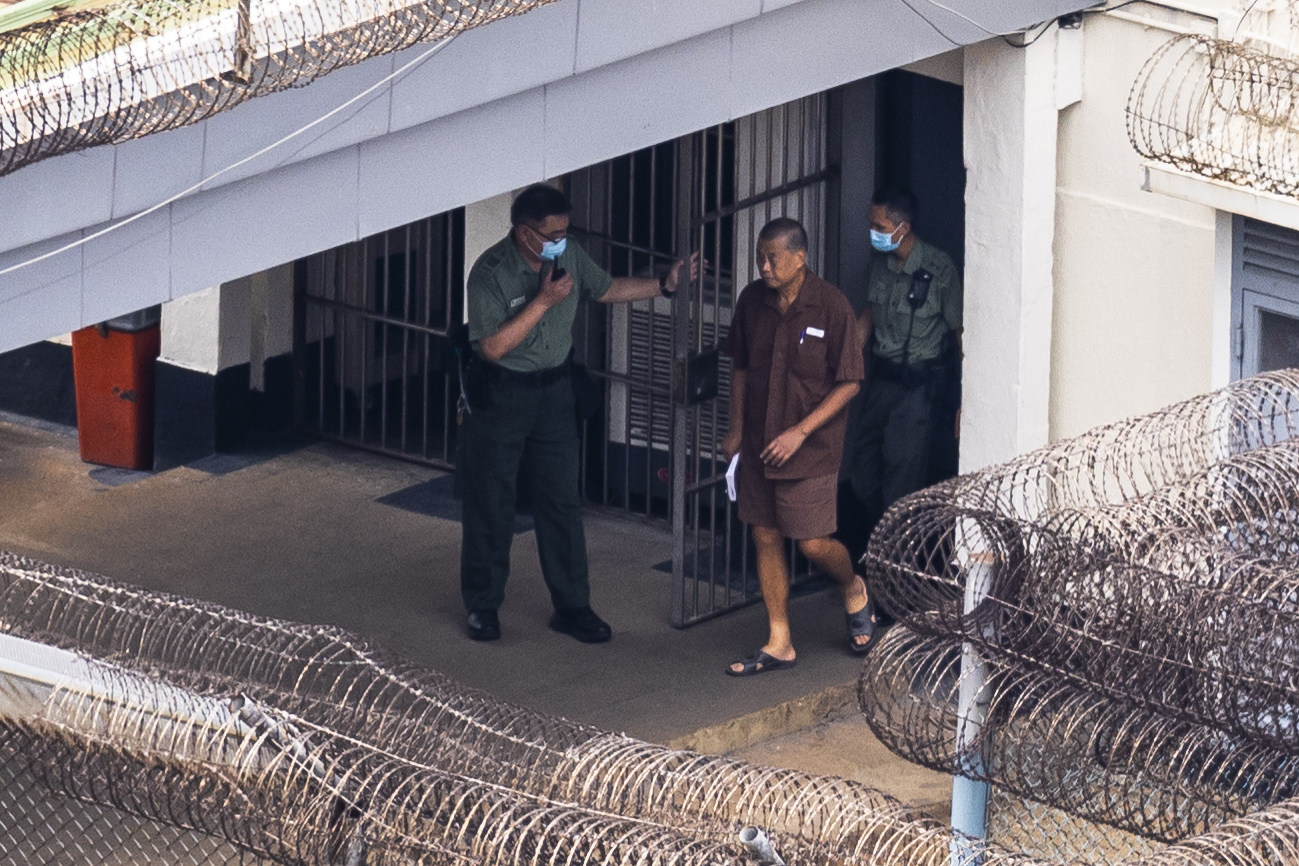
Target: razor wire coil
point(1139, 631)
point(114, 73)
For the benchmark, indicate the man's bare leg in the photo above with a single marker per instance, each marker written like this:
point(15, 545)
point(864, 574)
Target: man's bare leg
point(833, 559)
point(773, 576)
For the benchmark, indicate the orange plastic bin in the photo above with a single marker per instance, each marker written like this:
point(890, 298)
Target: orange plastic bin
point(112, 367)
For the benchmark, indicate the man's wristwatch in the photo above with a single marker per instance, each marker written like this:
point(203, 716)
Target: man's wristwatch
point(663, 286)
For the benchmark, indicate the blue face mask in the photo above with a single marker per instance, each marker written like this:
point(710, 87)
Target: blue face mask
point(551, 250)
point(883, 241)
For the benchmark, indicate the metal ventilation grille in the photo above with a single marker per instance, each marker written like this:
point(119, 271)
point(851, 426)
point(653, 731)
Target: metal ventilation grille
point(651, 361)
point(1269, 250)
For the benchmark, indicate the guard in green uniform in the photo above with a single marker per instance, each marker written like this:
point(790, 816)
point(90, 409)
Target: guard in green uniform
point(520, 415)
point(911, 312)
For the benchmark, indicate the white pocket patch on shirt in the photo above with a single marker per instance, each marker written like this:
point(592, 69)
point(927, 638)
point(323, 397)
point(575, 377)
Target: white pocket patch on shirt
point(518, 301)
point(816, 332)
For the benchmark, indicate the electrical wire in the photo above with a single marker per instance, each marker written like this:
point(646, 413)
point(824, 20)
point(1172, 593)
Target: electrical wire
point(1040, 33)
point(932, 25)
point(963, 17)
point(402, 70)
point(1004, 36)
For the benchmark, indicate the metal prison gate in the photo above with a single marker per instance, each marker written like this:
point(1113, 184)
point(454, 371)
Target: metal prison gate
point(373, 367)
point(373, 316)
point(658, 454)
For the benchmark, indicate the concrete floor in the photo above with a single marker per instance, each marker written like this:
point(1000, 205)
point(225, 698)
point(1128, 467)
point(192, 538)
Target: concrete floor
point(325, 534)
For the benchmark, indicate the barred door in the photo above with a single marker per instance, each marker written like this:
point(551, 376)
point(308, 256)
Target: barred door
point(372, 364)
point(655, 451)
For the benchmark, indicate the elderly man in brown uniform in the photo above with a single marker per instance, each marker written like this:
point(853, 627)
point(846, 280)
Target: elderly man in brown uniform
point(797, 364)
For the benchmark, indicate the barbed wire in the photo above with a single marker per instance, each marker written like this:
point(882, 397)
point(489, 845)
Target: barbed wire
point(1137, 623)
point(300, 744)
point(130, 69)
point(1220, 109)
point(1137, 629)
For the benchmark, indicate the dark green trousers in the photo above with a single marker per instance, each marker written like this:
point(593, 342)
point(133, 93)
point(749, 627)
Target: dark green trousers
point(887, 446)
point(528, 431)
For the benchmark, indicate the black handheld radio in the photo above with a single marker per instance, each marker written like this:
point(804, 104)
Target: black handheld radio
point(919, 291)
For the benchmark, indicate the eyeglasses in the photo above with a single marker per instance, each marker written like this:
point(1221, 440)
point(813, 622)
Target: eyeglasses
point(552, 237)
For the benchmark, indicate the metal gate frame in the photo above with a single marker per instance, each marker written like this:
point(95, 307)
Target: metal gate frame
point(719, 186)
point(371, 356)
point(372, 318)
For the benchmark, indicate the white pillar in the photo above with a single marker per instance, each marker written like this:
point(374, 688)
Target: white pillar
point(271, 309)
point(1010, 157)
point(486, 222)
point(191, 333)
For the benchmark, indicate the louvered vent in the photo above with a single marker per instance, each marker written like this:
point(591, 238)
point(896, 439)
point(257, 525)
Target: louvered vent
point(1270, 250)
point(650, 360)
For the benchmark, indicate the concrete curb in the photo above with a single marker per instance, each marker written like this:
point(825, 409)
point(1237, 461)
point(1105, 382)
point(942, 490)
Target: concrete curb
point(771, 722)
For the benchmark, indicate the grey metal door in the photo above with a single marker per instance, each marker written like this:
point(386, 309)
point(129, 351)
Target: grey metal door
point(655, 451)
point(1265, 288)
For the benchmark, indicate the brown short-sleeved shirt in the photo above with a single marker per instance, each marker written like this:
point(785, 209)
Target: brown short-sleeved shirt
point(792, 361)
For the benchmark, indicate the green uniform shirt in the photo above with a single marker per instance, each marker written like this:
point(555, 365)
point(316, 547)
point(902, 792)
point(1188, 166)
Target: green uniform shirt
point(501, 284)
point(886, 291)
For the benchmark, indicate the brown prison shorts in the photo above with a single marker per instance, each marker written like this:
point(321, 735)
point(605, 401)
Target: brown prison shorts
point(801, 508)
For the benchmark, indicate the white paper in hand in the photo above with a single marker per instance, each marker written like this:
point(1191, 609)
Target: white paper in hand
point(730, 476)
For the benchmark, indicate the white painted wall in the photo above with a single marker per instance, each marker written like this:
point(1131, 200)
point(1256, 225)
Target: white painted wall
point(1010, 156)
point(271, 331)
point(189, 338)
point(571, 84)
point(243, 321)
point(1134, 321)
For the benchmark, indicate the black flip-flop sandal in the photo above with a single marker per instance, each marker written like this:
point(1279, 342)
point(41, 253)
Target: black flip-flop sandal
point(759, 663)
point(862, 624)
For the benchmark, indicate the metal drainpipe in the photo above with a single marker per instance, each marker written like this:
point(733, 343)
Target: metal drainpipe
point(970, 797)
point(760, 846)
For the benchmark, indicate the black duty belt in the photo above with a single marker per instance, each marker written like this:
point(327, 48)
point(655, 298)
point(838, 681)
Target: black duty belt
point(907, 374)
point(532, 378)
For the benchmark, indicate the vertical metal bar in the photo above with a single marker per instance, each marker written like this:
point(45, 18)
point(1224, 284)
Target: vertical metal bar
point(332, 334)
point(628, 389)
point(366, 304)
point(406, 306)
point(320, 374)
point(699, 334)
point(750, 213)
point(383, 293)
point(810, 205)
point(799, 127)
point(652, 407)
point(452, 285)
point(607, 482)
point(771, 151)
point(653, 212)
point(340, 342)
point(687, 169)
point(436, 246)
point(737, 282)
